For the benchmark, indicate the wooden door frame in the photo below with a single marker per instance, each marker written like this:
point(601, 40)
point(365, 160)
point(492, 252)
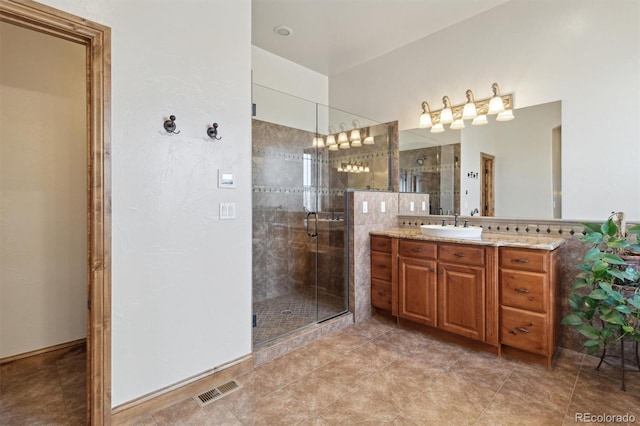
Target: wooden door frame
point(97, 39)
point(483, 184)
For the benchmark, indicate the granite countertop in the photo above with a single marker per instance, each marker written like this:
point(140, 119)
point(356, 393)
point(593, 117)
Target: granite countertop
point(487, 239)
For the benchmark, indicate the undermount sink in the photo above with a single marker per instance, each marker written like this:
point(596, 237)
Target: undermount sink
point(450, 231)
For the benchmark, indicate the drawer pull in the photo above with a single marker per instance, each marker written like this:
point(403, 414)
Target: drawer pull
point(381, 294)
point(382, 244)
point(512, 332)
point(523, 330)
point(521, 260)
point(416, 250)
point(459, 254)
point(382, 266)
point(522, 290)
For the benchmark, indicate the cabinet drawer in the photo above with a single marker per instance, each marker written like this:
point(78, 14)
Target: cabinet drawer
point(381, 244)
point(526, 260)
point(381, 266)
point(381, 294)
point(523, 330)
point(417, 249)
point(525, 290)
point(459, 254)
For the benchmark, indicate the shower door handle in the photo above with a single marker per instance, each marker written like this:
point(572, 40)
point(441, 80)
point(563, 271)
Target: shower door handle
point(315, 221)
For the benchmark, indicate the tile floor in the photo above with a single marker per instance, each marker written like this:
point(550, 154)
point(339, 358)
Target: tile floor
point(45, 390)
point(284, 314)
point(376, 373)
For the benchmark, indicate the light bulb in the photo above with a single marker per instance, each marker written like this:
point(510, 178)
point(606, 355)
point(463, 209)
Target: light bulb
point(437, 128)
point(355, 135)
point(457, 124)
point(342, 138)
point(480, 120)
point(425, 121)
point(505, 115)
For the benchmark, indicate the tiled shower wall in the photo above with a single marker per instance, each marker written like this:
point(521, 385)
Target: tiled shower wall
point(283, 253)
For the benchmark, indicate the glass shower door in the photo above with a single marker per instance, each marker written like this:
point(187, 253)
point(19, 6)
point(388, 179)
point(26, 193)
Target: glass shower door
point(285, 226)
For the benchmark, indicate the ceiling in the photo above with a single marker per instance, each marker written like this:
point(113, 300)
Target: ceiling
point(330, 36)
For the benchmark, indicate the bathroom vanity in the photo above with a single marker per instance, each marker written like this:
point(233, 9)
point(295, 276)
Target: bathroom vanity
point(500, 293)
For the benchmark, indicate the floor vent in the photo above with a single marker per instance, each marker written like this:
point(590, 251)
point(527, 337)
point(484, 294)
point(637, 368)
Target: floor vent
point(217, 393)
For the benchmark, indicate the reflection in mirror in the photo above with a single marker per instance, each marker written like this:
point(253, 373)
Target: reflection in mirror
point(507, 169)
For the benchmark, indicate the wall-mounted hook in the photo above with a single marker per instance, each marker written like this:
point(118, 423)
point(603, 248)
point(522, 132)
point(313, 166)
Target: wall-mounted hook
point(212, 132)
point(170, 125)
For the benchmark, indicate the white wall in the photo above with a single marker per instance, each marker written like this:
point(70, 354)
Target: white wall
point(585, 53)
point(287, 93)
point(181, 277)
point(43, 226)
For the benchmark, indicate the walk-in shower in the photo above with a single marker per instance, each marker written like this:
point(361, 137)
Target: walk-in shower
point(299, 179)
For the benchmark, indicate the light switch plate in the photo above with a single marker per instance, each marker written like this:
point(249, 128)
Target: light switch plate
point(424, 206)
point(412, 206)
point(383, 207)
point(365, 207)
point(227, 211)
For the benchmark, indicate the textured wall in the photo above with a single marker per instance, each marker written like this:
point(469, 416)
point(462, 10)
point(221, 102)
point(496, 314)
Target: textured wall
point(43, 185)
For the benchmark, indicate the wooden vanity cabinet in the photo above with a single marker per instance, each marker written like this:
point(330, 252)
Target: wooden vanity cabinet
point(502, 299)
point(381, 273)
point(462, 290)
point(443, 286)
point(529, 302)
point(417, 282)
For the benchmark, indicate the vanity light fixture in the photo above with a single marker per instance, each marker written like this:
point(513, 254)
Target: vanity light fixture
point(499, 104)
point(425, 117)
point(355, 134)
point(343, 141)
point(318, 142)
point(470, 111)
point(446, 115)
point(496, 105)
point(354, 167)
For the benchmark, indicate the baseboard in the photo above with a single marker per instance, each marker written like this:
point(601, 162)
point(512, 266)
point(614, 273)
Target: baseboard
point(146, 405)
point(43, 351)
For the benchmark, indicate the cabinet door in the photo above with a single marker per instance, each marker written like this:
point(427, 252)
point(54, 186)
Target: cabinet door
point(462, 300)
point(418, 291)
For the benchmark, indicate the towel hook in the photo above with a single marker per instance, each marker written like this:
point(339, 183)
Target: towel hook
point(170, 125)
point(212, 132)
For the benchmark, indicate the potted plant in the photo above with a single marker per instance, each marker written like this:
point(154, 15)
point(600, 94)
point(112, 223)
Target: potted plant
point(605, 299)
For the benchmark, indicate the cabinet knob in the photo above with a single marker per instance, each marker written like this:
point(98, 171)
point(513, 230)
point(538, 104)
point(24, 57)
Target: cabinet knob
point(431, 270)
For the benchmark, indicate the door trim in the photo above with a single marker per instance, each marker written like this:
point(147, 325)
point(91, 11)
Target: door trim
point(97, 39)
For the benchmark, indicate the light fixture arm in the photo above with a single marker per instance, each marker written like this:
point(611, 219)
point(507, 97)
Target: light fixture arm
point(496, 89)
point(425, 108)
point(446, 101)
point(470, 97)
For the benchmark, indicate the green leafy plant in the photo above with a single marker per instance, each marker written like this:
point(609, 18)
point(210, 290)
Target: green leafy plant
point(605, 299)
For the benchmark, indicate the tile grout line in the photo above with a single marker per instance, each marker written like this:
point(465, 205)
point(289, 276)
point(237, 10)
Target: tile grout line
point(573, 390)
point(496, 393)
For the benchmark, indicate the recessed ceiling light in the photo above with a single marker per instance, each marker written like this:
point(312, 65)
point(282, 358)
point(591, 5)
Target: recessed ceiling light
point(283, 31)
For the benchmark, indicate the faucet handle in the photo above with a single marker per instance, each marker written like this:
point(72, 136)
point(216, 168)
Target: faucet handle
point(466, 223)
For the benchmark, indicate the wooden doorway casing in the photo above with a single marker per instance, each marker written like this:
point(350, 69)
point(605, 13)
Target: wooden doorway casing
point(487, 197)
point(97, 39)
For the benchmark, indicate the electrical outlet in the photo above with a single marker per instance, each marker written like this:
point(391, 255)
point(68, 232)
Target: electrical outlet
point(383, 207)
point(412, 206)
point(365, 207)
point(424, 206)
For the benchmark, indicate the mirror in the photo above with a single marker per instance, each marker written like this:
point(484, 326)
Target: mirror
point(502, 169)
